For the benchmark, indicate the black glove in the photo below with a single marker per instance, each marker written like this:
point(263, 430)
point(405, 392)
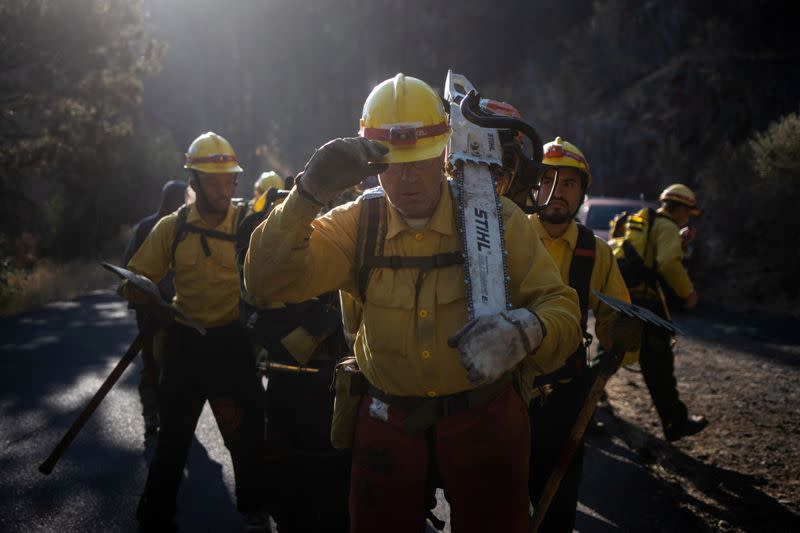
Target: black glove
point(156, 315)
point(626, 333)
point(340, 164)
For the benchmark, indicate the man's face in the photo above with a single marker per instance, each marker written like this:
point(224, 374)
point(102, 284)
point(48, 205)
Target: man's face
point(567, 197)
point(681, 214)
point(414, 188)
point(214, 191)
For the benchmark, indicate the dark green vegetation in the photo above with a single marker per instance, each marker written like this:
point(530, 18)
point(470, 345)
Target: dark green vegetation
point(74, 152)
point(751, 193)
point(99, 98)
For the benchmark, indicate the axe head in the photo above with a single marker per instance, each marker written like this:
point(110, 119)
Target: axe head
point(146, 284)
point(142, 282)
point(645, 315)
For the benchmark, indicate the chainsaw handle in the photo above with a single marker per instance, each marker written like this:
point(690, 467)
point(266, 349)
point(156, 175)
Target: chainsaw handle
point(472, 111)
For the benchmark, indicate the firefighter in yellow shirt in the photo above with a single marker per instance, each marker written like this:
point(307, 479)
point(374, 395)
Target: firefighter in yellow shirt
point(424, 411)
point(587, 264)
point(197, 243)
point(663, 257)
point(267, 180)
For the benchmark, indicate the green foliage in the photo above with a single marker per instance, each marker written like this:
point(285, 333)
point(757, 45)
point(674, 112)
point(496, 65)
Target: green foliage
point(70, 88)
point(776, 153)
point(650, 89)
point(750, 226)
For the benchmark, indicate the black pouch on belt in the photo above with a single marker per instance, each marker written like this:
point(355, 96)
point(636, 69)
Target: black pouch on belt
point(349, 385)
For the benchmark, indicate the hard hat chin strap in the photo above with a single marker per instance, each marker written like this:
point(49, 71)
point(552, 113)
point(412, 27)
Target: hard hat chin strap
point(538, 208)
point(202, 200)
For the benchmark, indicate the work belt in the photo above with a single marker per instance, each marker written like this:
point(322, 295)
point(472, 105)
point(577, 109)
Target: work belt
point(425, 412)
point(573, 367)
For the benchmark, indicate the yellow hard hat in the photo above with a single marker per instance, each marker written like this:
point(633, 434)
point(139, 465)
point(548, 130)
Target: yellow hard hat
point(680, 193)
point(212, 154)
point(268, 180)
point(560, 153)
point(407, 116)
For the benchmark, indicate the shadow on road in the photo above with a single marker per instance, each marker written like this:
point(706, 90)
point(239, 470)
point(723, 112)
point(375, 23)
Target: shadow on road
point(204, 501)
point(51, 361)
point(725, 497)
point(618, 493)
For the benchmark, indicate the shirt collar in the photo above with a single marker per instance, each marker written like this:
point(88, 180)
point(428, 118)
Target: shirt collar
point(193, 217)
point(441, 221)
point(570, 236)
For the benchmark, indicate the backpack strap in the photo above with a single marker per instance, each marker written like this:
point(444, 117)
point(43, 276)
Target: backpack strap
point(372, 236)
point(180, 230)
point(580, 272)
point(651, 272)
point(423, 263)
point(182, 227)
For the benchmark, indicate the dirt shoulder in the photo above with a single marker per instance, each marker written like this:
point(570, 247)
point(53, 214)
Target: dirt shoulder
point(743, 472)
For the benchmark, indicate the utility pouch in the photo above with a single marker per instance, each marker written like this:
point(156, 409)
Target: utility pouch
point(349, 385)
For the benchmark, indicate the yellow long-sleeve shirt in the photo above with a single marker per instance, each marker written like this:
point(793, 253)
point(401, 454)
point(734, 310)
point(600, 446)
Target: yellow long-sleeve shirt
point(664, 245)
point(606, 277)
point(206, 287)
point(401, 347)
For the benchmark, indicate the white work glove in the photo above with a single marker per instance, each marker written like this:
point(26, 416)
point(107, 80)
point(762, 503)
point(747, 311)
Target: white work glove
point(492, 345)
point(340, 164)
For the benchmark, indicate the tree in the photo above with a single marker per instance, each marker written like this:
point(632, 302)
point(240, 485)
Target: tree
point(70, 86)
point(750, 221)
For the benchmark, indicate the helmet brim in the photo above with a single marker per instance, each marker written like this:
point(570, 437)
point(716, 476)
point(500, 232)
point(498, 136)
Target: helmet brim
point(400, 154)
point(215, 168)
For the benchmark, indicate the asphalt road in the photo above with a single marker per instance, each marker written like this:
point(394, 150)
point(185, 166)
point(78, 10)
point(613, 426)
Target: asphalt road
point(53, 360)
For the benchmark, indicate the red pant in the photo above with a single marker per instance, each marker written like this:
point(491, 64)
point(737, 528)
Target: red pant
point(482, 457)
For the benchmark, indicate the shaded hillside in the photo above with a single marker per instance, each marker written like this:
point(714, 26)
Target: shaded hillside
point(666, 126)
point(653, 89)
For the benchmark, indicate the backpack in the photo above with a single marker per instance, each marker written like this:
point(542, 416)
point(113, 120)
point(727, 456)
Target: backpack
point(629, 235)
point(320, 316)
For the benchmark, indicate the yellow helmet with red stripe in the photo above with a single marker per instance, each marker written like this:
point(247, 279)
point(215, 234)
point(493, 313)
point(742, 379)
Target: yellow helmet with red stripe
point(212, 154)
point(680, 193)
point(407, 116)
point(560, 153)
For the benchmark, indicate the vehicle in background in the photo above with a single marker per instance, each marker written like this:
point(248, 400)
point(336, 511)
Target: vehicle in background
point(598, 211)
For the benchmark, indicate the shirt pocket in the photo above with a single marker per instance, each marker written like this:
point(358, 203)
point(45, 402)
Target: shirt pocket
point(451, 301)
point(389, 313)
point(223, 254)
point(223, 269)
point(187, 267)
point(187, 253)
